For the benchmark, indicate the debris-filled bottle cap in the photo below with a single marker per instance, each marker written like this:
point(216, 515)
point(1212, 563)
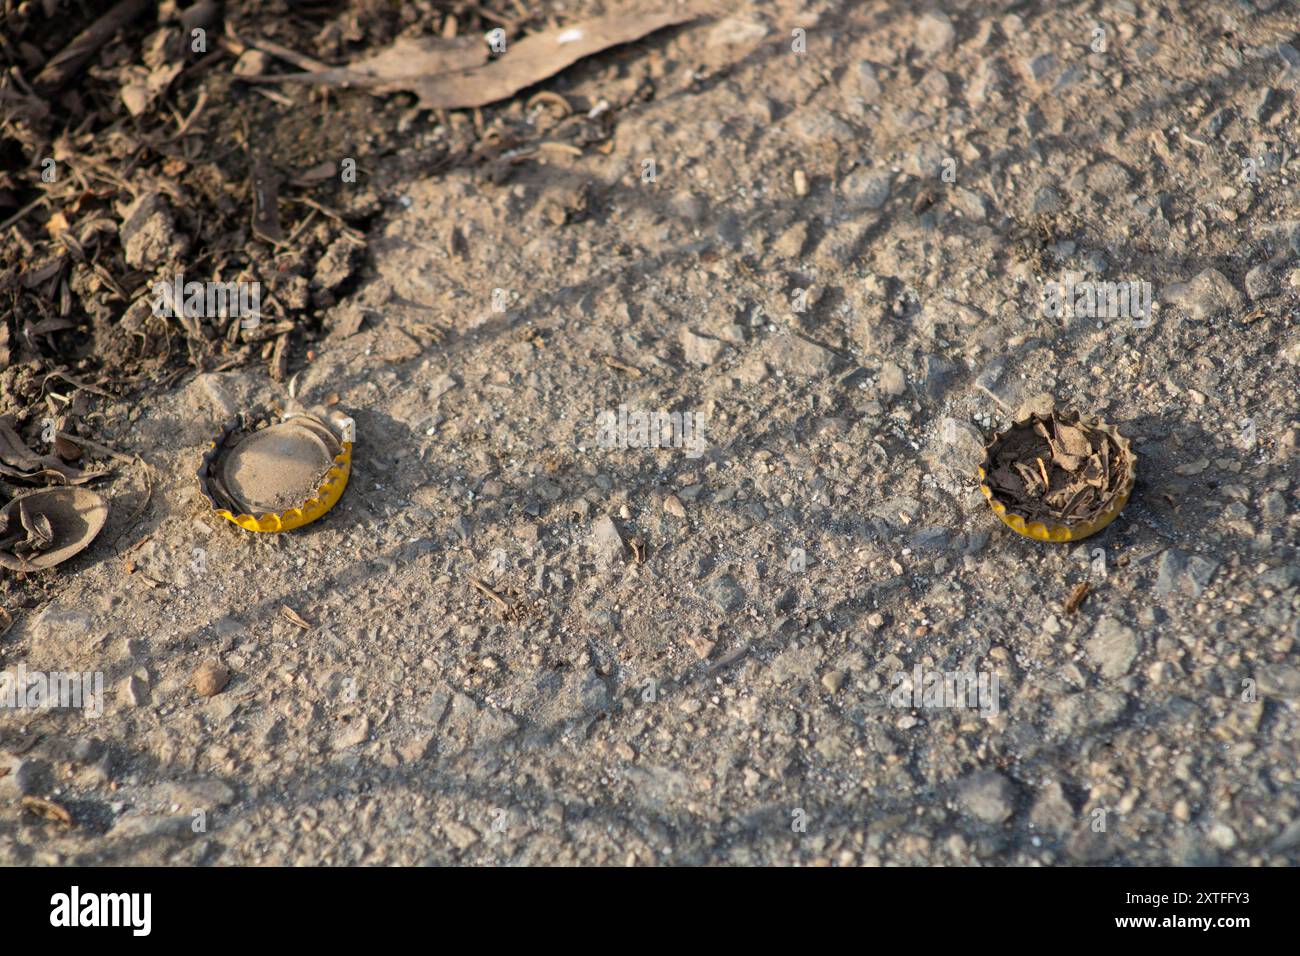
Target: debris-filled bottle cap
point(1058, 477)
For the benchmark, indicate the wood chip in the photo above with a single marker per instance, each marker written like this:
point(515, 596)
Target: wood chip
point(67, 63)
point(1076, 597)
point(47, 810)
point(622, 366)
point(266, 194)
point(502, 604)
point(293, 617)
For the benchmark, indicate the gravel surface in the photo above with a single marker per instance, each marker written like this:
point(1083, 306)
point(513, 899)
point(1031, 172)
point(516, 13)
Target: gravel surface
point(745, 646)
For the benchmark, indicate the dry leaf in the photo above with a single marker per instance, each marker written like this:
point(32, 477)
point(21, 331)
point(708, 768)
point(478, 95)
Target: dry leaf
point(408, 60)
point(537, 57)
point(454, 73)
point(48, 810)
point(56, 225)
point(18, 461)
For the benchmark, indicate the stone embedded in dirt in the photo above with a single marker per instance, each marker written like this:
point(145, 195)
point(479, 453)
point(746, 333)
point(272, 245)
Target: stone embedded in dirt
point(88, 750)
point(752, 371)
point(461, 836)
point(1266, 279)
point(441, 385)
point(934, 538)
point(345, 321)
point(891, 380)
point(152, 826)
point(1112, 648)
point(819, 126)
point(833, 680)
point(148, 233)
point(867, 188)
point(251, 63)
point(606, 540)
point(210, 678)
point(336, 265)
point(133, 692)
point(971, 203)
point(1273, 506)
point(421, 746)
point(1176, 571)
point(934, 32)
point(966, 444)
point(799, 357)
point(206, 792)
point(1057, 469)
point(791, 242)
point(1200, 571)
point(353, 733)
point(935, 371)
point(1088, 845)
point(701, 349)
point(725, 593)
point(24, 777)
point(939, 312)
point(60, 633)
point(702, 646)
point(1280, 680)
point(988, 796)
point(1206, 296)
point(861, 82)
point(1052, 810)
point(1038, 68)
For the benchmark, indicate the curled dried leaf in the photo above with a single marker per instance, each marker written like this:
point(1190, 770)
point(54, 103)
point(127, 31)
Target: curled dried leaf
point(47, 810)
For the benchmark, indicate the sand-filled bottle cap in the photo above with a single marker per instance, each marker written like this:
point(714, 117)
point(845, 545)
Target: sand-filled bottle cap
point(281, 475)
point(1058, 477)
point(46, 527)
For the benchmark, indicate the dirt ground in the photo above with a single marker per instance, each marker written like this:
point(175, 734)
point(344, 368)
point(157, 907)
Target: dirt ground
point(824, 232)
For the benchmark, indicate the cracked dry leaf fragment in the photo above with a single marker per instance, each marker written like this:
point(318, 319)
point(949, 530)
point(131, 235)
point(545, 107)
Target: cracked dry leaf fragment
point(18, 461)
point(40, 535)
point(537, 57)
point(456, 74)
point(406, 61)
